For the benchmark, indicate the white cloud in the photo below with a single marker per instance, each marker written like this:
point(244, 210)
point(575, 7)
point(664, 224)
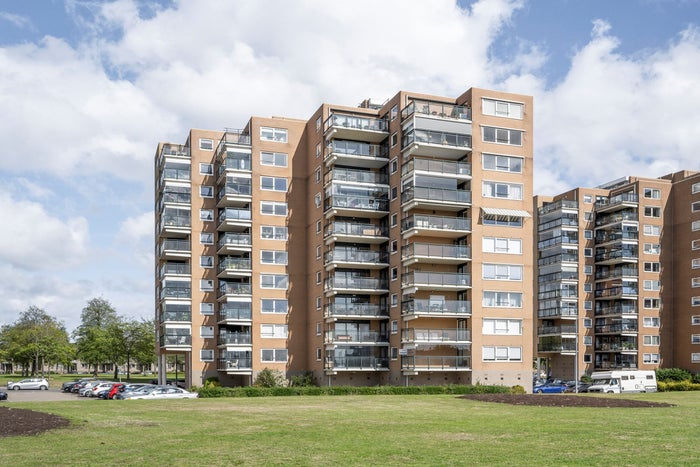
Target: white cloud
point(19, 21)
point(137, 228)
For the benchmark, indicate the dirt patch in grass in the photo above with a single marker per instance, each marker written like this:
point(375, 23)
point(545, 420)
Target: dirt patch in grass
point(562, 400)
point(22, 422)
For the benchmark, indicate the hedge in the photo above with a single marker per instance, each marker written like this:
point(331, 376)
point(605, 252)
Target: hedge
point(678, 386)
point(251, 391)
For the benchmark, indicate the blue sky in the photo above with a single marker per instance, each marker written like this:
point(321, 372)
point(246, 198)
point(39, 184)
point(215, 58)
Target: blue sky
point(88, 88)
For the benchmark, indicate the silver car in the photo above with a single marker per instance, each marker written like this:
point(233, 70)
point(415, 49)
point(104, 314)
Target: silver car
point(29, 383)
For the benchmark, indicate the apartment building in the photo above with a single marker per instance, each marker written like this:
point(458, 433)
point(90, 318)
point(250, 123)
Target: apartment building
point(379, 244)
point(618, 276)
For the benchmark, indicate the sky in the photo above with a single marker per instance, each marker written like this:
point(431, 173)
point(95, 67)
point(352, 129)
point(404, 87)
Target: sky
point(89, 88)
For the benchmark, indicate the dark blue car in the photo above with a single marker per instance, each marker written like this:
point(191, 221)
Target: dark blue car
point(549, 388)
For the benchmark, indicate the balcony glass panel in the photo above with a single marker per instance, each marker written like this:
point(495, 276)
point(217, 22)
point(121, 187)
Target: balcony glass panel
point(174, 339)
point(356, 148)
point(436, 222)
point(359, 363)
point(356, 255)
point(349, 282)
point(367, 203)
point(359, 176)
point(232, 214)
point(355, 122)
point(436, 137)
point(236, 311)
point(435, 363)
point(437, 279)
point(362, 309)
point(435, 335)
point(235, 264)
point(173, 244)
point(235, 288)
point(437, 251)
point(176, 316)
point(232, 239)
point(234, 338)
point(174, 268)
point(176, 292)
point(436, 195)
point(428, 306)
point(356, 229)
point(439, 109)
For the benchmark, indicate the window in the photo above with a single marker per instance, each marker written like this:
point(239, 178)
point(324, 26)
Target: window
point(652, 248)
point(588, 215)
point(394, 327)
point(273, 331)
point(588, 199)
point(502, 136)
point(652, 193)
point(695, 357)
point(695, 188)
point(206, 308)
point(394, 300)
point(206, 191)
point(318, 150)
point(588, 287)
point(273, 183)
point(206, 261)
point(394, 246)
point(651, 322)
point(317, 200)
point(319, 122)
point(650, 266)
point(588, 234)
point(273, 355)
point(512, 354)
point(587, 322)
point(206, 215)
point(502, 190)
point(502, 108)
point(206, 285)
point(318, 303)
point(503, 221)
point(494, 299)
point(394, 139)
point(318, 252)
point(695, 320)
point(394, 220)
point(587, 358)
point(273, 208)
point(273, 232)
point(588, 252)
point(501, 163)
point(588, 270)
point(274, 281)
point(394, 112)
point(695, 226)
point(587, 305)
point(650, 211)
point(206, 238)
point(206, 144)
point(206, 169)
point(206, 332)
point(273, 305)
point(318, 175)
point(512, 246)
point(695, 339)
point(652, 303)
point(275, 159)
point(652, 285)
point(278, 135)
point(587, 340)
point(318, 227)
point(394, 165)
point(394, 274)
point(652, 230)
point(273, 257)
point(695, 245)
point(319, 354)
point(651, 358)
point(694, 301)
point(318, 277)
point(651, 340)
point(394, 192)
point(695, 282)
point(318, 328)
point(504, 272)
point(508, 327)
point(695, 263)
point(206, 355)
point(394, 353)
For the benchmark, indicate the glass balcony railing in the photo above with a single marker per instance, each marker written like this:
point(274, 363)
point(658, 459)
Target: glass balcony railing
point(175, 174)
point(436, 363)
point(356, 148)
point(571, 239)
point(236, 311)
point(437, 109)
point(440, 195)
point(232, 137)
point(438, 279)
point(235, 189)
point(366, 203)
point(616, 273)
point(617, 328)
point(355, 255)
point(430, 250)
point(435, 336)
point(356, 283)
point(235, 289)
point(437, 307)
point(231, 214)
point(175, 245)
point(603, 236)
point(608, 255)
point(175, 316)
point(176, 150)
point(436, 222)
point(563, 329)
point(436, 166)
point(175, 340)
point(175, 197)
point(558, 276)
point(616, 291)
point(616, 309)
point(615, 218)
point(175, 268)
point(176, 221)
point(554, 259)
point(235, 265)
point(234, 364)
point(557, 347)
point(234, 338)
point(356, 123)
point(236, 162)
point(439, 138)
point(175, 292)
point(617, 199)
point(565, 310)
point(564, 221)
point(354, 336)
point(356, 229)
point(357, 363)
point(557, 206)
point(360, 310)
point(234, 240)
point(358, 176)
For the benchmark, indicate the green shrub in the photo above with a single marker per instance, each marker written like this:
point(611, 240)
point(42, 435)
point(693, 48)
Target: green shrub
point(305, 380)
point(678, 386)
point(672, 374)
point(517, 389)
point(696, 378)
point(259, 391)
point(268, 378)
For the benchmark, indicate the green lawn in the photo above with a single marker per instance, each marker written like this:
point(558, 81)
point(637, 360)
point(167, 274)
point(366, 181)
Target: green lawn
point(360, 430)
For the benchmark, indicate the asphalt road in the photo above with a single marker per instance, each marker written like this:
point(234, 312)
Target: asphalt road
point(35, 395)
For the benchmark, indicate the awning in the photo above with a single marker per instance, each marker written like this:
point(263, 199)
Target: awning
point(505, 212)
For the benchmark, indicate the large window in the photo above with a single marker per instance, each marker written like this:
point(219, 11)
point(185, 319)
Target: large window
point(509, 327)
point(695, 188)
point(695, 207)
point(273, 331)
point(273, 257)
point(502, 163)
point(206, 355)
point(512, 246)
point(651, 211)
point(502, 136)
point(502, 190)
point(273, 305)
point(652, 248)
point(276, 159)
point(274, 281)
point(652, 303)
point(273, 232)
point(652, 230)
point(206, 144)
point(273, 355)
point(651, 358)
point(273, 208)
point(273, 183)
point(652, 285)
point(495, 299)
point(503, 354)
point(651, 340)
point(278, 135)
point(651, 322)
point(498, 108)
point(502, 272)
point(652, 193)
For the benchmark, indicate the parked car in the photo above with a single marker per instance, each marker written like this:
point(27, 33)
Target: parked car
point(582, 387)
point(29, 383)
point(549, 388)
point(102, 386)
point(130, 392)
point(3, 396)
point(68, 386)
point(165, 392)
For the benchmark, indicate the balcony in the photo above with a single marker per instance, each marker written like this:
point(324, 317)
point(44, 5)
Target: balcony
point(356, 258)
point(436, 226)
point(435, 198)
point(617, 309)
point(176, 293)
point(234, 243)
point(435, 336)
point(459, 170)
point(235, 289)
point(176, 316)
point(439, 144)
point(235, 267)
point(618, 292)
point(566, 220)
point(356, 285)
point(175, 197)
point(176, 341)
point(629, 217)
point(617, 202)
point(617, 346)
point(355, 337)
point(173, 150)
point(235, 365)
point(563, 240)
point(353, 127)
point(616, 273)
point(232, 339)
point(356, 176)
point(232, 219)
point(355, 232)
point(565, 348)
point(235, 194)
point(566, 310)
point(174, 248)
point(175, 225)
point(417, 280)
point(616, 256)
point(356, 154)
point(356, 364)
point(568, 257)
point(566, 331)
point(437, 110)
point(356, 206)
point(174, 269)
point(355, 310)
point(605, 237)
point(418, 363)
point(557, 206)
point(176, 172)
point(235, 313)
point(623, 328)
point(417, 308)
point(435, 254)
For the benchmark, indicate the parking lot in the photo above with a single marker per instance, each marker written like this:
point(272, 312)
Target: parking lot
point(33, 395)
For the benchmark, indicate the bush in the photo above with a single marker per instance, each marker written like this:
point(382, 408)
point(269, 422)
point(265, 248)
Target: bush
point(305, 380)
point(259, 391)
point(517, 389)
point(677, 386)
point(268, 378)
point(672, 374)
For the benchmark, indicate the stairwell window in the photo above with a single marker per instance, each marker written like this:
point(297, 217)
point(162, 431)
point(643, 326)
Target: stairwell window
point(695, 226)
point(512, 246)
point(502, 136)
point(652, 193)
point(273, 208)
point(651, 211)
point(651, 340)
point(501, 163)
point(274, 159)
point(274, 281)
point(504, 272)
point(206, 144)
point(278, 135)
point(273, 331)
point(273, 183)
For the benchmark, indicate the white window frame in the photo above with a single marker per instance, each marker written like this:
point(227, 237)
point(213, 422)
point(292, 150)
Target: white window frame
point(652, 193)
point(651, 303)
point(206, 144)
point(274, 234)
point(274, 159)
point(652, 248)
point(274, 331)
point(502, 299)
point(502, 327)
point(206, 355)
point(206, 285)
point(695, 226)
point(502, 163)
point(206, 169)
point(695, 188)
point(279, 257)
point(206, 332)
point(695, 320)
point(502, 135)
point(206, 191)
point(651, 340)
point(277, 135)
point(695, 244)
point(206, 309)
point(651, 358)
point(206, 262)
point(695, 282)
point(491, 353)
point(273, 207)
point(652, 212)
point(587, 340)
point(652, 230)
point(651, 322)
point(695, 206)
point(206, 238)
point(206, 215)
point(501, 190)
point(317, 200)
point(651, 285)
point(276, 355)
point(502, 272)
point(695, 301)
point(652, 266)
point(501, 108)
point(274, 281)
point(268, 183)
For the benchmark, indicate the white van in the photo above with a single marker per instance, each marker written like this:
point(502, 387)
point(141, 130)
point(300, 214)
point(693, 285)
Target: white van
point(621, 381)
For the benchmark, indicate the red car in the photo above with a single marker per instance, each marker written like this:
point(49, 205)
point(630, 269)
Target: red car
point(116, 387)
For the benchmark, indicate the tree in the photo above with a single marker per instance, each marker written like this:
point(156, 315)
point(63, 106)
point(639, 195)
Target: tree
point(34, 340)
point(139, 343)
point(97, 335)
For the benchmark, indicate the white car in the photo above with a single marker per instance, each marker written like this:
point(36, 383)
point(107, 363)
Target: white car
point(165, 392)
point(29, 383)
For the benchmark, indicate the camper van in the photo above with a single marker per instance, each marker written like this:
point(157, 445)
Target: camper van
point(621, 381)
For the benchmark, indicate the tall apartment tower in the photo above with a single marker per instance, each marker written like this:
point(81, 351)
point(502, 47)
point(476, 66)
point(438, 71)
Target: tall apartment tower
point(615, 279)
point(380, 244)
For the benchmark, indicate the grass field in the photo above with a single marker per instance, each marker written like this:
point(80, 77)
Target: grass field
point(360, 430)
